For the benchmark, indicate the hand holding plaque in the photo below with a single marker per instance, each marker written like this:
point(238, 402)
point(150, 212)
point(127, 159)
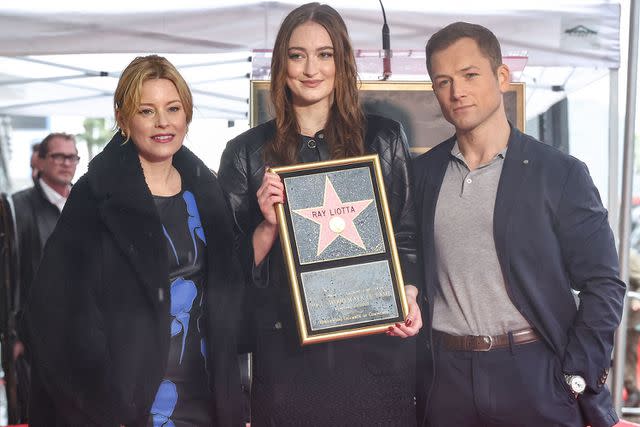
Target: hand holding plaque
point(339, 246)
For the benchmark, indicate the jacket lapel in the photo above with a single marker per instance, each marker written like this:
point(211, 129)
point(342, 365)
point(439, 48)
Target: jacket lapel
point(139, 236)
point(128, 211)
point(431, 190)
point(514, 172)
point(44, 222)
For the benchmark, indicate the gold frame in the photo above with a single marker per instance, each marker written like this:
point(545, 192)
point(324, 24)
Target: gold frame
point(391, 255)
point(416, 108)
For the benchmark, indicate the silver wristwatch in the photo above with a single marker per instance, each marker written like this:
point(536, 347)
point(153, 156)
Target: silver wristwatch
point(576, 383)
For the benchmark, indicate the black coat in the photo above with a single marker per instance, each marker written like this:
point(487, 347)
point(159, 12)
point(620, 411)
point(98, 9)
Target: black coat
point(36, 218)
point(552, 235)
point(99, 312)
point(361, 381)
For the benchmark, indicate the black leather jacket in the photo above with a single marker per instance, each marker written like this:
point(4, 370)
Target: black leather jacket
point(242, 168)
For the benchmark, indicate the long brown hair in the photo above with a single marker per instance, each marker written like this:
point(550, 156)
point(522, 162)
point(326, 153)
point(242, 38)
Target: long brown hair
point(344, 130)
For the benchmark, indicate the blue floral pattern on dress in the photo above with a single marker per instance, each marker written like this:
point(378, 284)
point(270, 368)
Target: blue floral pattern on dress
point(173, 248)
point(164, 404)
point(195, 225)
point(183, 295)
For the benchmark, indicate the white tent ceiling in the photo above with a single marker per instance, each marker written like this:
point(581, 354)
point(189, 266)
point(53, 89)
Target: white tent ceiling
point(83, 84)
point(568, 44)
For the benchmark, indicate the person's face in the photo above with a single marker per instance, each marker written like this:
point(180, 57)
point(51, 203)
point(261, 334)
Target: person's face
point(59, 165)
point(311, 69)
point(35, 165)
point(467, 89)
point(159, 125)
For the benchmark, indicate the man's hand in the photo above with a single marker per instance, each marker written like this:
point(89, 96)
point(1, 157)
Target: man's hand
point(413, 323)
point(18, 349)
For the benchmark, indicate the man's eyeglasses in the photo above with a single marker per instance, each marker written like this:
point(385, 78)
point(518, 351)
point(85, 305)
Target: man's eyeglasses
point(59, 158)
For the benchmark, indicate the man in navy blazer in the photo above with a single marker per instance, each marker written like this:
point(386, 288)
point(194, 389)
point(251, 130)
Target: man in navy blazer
point(510, 228)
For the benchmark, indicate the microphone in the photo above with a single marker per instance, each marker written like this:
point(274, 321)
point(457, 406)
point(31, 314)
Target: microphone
point(386, 46)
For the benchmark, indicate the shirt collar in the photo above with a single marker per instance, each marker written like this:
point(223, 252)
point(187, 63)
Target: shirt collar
point(455, 152)
point(52, 195)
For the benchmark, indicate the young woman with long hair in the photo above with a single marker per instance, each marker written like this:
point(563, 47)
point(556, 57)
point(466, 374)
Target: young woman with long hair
point(314, 91)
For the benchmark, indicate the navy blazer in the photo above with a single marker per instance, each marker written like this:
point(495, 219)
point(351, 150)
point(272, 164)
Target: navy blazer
point(552, 235)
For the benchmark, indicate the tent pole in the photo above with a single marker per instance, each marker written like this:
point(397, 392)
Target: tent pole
point(625, 201)
point(613, 203)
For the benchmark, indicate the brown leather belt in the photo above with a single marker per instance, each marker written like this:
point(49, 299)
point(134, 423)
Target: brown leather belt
point(485, 342)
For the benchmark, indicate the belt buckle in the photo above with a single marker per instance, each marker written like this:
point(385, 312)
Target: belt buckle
point(487, 339)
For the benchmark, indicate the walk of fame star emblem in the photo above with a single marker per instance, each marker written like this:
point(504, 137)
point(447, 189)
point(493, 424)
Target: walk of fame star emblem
point(335, 218)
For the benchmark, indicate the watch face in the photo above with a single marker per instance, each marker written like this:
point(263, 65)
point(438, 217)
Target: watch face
point(577, 384)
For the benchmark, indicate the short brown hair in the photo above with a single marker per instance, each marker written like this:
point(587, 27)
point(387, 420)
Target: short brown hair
point(126, 98)
point(344, 128)
point(43, 147)
point(487, 42)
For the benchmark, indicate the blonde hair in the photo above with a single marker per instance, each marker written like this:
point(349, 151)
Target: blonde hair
point(126, 98)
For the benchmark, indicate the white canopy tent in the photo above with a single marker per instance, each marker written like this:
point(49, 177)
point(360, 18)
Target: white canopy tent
point(568, 45)
point(555, 33)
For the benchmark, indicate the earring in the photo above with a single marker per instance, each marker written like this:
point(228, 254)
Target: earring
point(124, 135)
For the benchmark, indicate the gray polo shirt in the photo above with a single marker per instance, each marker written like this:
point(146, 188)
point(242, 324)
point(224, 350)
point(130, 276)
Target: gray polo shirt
point(473, 298)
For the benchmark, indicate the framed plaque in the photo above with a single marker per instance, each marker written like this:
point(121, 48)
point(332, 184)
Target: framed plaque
point(339, 247)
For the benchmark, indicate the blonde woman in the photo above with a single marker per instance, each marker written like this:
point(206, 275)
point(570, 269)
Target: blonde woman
point(133, 312)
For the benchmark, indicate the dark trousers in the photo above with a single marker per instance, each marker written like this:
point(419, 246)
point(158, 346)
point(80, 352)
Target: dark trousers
point(520, 386)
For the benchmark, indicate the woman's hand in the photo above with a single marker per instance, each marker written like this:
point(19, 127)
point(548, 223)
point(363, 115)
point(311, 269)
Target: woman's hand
point(413, 323)
point(271, 191)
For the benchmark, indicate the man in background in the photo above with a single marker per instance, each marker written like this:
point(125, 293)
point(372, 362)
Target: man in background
point(37, 210)
point(35, 159)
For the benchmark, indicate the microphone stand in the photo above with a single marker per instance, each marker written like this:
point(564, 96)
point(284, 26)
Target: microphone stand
point(386, 46)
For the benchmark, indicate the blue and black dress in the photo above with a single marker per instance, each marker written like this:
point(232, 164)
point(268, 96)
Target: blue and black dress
point(184, 398)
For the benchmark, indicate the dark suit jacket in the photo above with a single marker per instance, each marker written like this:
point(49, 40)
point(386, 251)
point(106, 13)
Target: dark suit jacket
point(99, 313)
point(36, 218)
point(552, 235)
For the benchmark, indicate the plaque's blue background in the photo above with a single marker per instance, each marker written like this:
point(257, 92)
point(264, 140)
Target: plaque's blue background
point(351, 185)
point(329, 294)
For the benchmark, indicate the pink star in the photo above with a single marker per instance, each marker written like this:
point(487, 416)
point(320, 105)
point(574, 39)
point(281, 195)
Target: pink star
point(335, 218)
